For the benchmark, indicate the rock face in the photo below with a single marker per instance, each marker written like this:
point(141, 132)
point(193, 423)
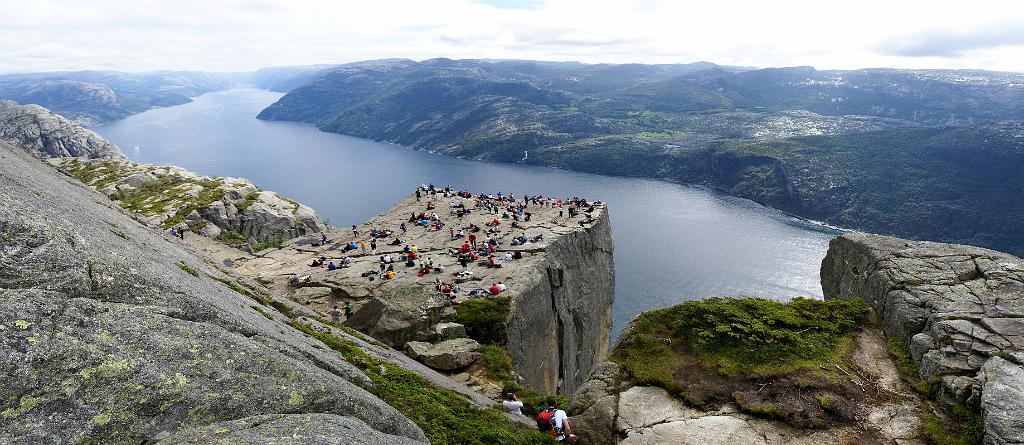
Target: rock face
point(48, 135)
point(959, 307)
point(561, 320)
point(172, 197)
point(114, 334)
point(288, 429)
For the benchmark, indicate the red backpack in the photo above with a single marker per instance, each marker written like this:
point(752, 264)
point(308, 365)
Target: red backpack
point(544, 419)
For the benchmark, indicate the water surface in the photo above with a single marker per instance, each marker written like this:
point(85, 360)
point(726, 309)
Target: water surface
point(672, 242)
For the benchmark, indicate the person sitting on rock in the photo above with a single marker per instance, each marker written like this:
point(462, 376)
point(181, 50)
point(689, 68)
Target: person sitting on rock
point(465, 248)
point(331, 266)
point(389, 275)
point(501, 286)
point(517, 255)
point(495, 290)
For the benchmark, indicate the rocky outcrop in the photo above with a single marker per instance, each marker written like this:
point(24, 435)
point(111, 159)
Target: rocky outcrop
point(959, 307)
point(611, 409)
point(232, 209)
point(114, 334)
point(561, 322)
point(48, 135)
point(560, 290)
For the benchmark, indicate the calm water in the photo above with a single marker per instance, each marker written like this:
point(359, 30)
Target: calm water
point(672, 242)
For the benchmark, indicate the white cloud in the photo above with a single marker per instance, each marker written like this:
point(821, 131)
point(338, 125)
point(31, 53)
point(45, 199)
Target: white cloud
point(213, 35)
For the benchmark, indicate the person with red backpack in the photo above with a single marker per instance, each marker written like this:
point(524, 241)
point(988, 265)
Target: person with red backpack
point(555, 421)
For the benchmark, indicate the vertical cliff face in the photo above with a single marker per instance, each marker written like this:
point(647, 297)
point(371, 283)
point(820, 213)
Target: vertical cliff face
point(559, 326)
point(960, 308)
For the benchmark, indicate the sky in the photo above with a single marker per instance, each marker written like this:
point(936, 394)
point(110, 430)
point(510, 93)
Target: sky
point(237, 35)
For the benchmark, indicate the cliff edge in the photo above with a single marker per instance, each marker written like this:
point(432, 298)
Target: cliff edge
point(959, 308)
point(553, 315)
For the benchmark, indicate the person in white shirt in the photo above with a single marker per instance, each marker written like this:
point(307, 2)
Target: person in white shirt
point(512, 403)
point(560, 423)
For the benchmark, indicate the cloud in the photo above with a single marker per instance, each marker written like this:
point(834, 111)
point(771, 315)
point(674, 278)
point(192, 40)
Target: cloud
point(953, 43)
point(234, 35)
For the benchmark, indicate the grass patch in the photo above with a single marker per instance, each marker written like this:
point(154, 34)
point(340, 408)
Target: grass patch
point(444, 416)
point(773, 359)
point(231, 237)
point(499, 362)
point(904, 361)
point(965, 427)
point(484, 319)
point(247, 201)
point(188, 269)
point(262, 312)
point(235, 287)
point(282, 308)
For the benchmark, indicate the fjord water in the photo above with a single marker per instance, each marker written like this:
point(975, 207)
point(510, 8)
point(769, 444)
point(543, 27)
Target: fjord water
point(672, 242)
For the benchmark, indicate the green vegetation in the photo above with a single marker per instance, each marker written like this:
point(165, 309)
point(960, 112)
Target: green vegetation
point(900, 354)
point(499, 362)
point(484, 319)
point(282, 308)
point(963, 426)
point(247, 201)
point(722, 350)
point(736, 131)
point(231, 237)
point(235, 287)
point(445, 416)
point(262, 312)
point(188, 269)
point(739, 336)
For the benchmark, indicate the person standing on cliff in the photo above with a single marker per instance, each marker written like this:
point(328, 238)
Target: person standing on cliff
point(348, 311)
point(418, 195)
point(336, 314)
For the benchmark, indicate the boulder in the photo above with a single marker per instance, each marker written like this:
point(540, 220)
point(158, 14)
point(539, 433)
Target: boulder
point(450, 355)
point(447, 330)
point(288, 429)
point(1002, 401)
point(416, 349)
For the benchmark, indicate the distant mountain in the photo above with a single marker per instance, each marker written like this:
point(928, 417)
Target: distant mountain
point(92, 97)
point(47, 135)
point(915, 153)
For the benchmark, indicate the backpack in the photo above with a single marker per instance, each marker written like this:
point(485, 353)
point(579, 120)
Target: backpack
point(544, 420)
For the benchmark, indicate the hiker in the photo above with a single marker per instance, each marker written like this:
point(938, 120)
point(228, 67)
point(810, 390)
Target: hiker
point(517, 255)
point(495, 290)
point(181, 233)
point(402, 227)
point(348, 311)
point(323, 238)
point(418, 194)
point(336, 314)
point(555, 421)
point(331, 266)
point(472, 240)
point(512, 403)
point(354, 231)
point(373, 246)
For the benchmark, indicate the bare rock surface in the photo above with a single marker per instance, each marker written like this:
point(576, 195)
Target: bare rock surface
point(112, 333)
point(49, 135)
point(288, 429)
point(958, 307)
